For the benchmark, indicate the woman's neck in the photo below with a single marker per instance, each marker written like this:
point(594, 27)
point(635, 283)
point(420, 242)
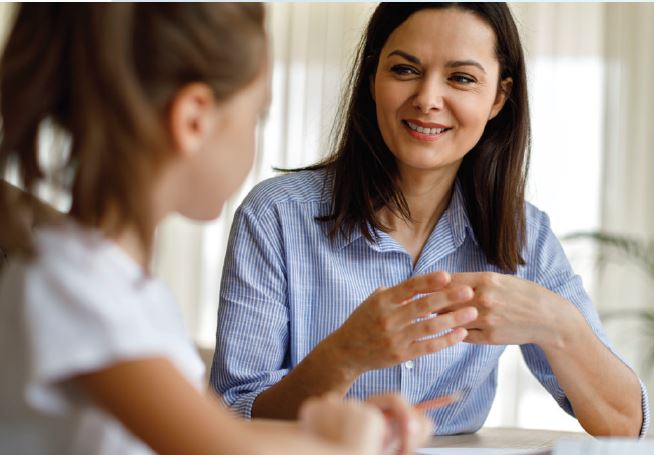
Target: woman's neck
point(427, 196)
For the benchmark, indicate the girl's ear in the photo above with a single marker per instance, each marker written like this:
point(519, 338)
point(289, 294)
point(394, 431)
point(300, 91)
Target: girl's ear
point(190, 118)
point(503, 92)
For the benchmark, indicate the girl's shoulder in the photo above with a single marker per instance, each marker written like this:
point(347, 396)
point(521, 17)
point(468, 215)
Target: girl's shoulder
point(68, 247)
point(74, 266)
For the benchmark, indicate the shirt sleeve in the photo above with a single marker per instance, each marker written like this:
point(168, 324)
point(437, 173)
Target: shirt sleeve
point(553, 271)
point(253, 318)
point(79, 317)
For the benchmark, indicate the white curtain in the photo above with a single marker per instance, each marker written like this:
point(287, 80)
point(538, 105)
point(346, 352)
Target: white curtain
point(628, 188)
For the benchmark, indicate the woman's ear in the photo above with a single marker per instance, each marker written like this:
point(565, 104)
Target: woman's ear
point(503, 92)
point(190, 118)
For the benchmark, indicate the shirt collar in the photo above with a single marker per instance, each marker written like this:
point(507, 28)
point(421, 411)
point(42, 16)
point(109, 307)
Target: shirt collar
point(342, 239)
point(455, 214)
point(458, 216)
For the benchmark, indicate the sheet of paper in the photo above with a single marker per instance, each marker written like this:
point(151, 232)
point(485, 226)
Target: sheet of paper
point(604, 446)
point(480, 451)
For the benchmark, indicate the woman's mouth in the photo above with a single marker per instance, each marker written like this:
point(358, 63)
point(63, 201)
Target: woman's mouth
point(425, 133)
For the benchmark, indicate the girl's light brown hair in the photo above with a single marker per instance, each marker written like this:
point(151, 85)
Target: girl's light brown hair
point(105, 74)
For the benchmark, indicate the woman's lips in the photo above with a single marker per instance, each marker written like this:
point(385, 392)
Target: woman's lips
point(425, 131)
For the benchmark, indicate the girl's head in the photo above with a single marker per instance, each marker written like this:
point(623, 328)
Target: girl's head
point(158, 102)
point(441, 88)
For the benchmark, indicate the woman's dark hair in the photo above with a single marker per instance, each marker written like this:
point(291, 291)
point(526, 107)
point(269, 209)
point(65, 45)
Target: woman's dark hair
point(105, 75)
point(492, 175)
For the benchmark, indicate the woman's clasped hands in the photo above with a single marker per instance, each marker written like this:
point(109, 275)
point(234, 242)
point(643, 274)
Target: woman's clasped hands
point(428, 313)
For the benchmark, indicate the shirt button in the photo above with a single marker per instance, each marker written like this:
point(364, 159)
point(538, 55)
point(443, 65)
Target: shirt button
point(408, 365)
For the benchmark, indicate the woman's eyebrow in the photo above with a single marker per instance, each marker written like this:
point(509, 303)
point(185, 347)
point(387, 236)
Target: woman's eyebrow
point(458, 63)
point(450, 64)
point(405, 55)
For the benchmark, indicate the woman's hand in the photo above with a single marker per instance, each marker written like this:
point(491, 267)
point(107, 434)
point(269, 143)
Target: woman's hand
point(357, 427)
point(515, 311)
point(406, 427)
point(388, 327)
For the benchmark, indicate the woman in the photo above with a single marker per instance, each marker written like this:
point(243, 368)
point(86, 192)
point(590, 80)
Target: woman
point(426, 189)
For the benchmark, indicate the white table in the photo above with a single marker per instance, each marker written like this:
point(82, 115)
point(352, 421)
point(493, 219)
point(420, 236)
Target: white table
point(516, 438)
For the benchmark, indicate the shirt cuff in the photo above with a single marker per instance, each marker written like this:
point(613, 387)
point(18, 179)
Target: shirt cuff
point(645, 404)
point(243, 405)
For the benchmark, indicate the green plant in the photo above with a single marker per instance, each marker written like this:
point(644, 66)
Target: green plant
point(641, 253)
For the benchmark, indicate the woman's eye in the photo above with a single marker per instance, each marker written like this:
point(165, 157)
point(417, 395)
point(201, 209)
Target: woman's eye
point(403, 70)
point(462, 79)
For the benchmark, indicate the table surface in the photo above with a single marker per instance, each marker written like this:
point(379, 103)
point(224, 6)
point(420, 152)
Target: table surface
point(514, 438)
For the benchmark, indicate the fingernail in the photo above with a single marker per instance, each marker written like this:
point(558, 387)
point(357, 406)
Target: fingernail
point(461, 334)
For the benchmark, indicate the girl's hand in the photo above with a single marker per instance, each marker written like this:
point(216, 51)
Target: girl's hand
point(407, 428)
point(357, 427)
point(515, 311)
point(387, 328)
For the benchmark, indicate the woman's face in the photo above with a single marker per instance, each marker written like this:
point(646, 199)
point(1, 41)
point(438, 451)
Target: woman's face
point(436, 87)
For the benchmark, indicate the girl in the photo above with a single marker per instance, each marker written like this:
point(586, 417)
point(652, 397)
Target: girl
point(159, 105)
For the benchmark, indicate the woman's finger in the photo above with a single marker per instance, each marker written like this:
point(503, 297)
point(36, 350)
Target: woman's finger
point(432, 303)
point(440, 323)
point(421, 284)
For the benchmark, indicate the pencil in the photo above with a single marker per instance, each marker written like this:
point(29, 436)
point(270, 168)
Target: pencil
point(438, 402)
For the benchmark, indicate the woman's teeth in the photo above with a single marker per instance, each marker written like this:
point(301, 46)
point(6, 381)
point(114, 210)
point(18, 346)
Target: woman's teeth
point(420, 129)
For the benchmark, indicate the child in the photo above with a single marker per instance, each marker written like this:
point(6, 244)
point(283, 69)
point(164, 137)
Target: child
point(159, 104)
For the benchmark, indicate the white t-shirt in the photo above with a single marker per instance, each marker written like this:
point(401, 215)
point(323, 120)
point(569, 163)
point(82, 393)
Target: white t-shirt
point(81, 305)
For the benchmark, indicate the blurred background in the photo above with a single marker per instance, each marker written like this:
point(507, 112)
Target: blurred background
point(590, 69)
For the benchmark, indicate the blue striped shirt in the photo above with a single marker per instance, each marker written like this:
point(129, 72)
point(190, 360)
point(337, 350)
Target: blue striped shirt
point(286, 286)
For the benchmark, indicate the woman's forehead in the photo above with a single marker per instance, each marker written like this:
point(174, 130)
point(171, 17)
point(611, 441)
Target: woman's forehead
point(450, 32)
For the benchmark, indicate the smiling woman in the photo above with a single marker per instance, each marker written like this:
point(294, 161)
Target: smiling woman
point(436, 87)
point(437, 57)
point(366, 271)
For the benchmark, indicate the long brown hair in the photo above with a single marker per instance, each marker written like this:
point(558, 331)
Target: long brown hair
point(104, 75)
point(492, 174)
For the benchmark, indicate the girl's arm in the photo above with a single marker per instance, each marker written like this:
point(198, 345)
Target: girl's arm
point(157, 404)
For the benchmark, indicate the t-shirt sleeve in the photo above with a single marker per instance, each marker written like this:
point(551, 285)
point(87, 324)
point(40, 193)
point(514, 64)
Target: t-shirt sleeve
point(80, 317)
point(550, 268)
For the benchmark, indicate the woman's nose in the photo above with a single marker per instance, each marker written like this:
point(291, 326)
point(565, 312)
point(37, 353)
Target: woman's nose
point(429, 96)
